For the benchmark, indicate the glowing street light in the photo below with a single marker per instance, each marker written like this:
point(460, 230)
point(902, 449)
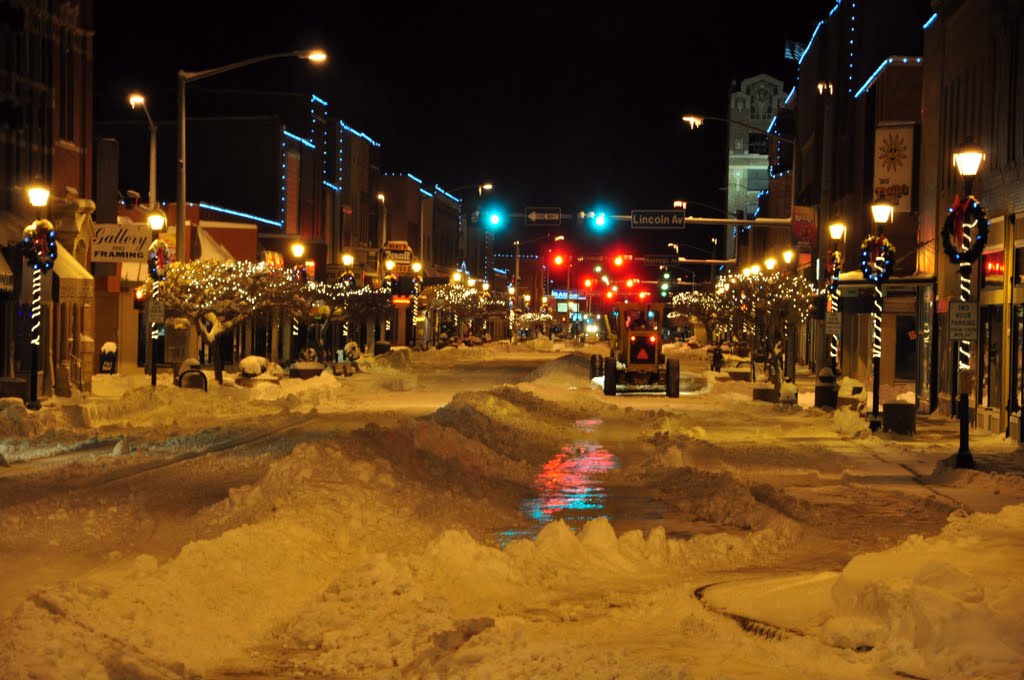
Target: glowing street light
point(315, 56)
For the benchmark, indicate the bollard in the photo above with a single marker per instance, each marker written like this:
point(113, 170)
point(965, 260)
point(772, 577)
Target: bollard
point(826, 391)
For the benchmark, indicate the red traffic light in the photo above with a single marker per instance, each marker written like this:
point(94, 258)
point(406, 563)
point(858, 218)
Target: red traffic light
point(619, 260)
point(558, 259)
point(588, 283)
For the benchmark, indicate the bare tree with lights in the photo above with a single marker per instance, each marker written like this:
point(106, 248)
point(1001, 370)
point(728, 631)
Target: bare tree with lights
point(710, 307)
point(771, 305)
point(215, 297)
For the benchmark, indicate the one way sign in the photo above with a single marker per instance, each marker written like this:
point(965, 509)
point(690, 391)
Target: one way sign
point(548, 217)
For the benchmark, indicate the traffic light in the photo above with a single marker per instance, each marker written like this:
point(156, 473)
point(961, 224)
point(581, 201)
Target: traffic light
point(618, 260)
point(598, 220)
point(588, 283)
point(493, 217)
point(139, 299)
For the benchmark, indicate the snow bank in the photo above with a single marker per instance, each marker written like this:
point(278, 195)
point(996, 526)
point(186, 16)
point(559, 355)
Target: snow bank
point(934, 606)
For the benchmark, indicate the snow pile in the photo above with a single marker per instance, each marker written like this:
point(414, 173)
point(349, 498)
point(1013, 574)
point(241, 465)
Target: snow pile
point(934, 605)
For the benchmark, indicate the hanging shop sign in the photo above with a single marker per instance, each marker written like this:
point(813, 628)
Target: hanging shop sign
point(894, 166)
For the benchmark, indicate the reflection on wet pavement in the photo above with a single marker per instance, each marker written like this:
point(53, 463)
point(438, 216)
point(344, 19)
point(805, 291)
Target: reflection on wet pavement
point(568, 486)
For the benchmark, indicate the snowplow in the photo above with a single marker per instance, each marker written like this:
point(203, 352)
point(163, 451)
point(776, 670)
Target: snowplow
point(635, 362)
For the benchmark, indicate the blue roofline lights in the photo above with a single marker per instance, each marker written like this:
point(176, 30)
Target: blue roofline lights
point(357, 133)
point(254, 218)
point(931, 20)
point(789, 97)
point(441, 191)
point(881, 67)
point(414, 178)
point(426, 193)
point(300, 140)
point(318, 100)
point(331, 186)
point(810, 42)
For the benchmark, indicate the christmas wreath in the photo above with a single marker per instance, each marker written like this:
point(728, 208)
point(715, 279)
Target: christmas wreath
point(40, 244)
point(159, 257)
point(971, 214)
point(877, 256)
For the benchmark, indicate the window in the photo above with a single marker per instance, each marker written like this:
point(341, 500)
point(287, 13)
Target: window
point(757, 143)
point(992, 269)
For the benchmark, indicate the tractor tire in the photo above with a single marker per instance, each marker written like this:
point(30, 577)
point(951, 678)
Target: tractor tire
point(672, 378)
point(594, 366)
point(611, 376)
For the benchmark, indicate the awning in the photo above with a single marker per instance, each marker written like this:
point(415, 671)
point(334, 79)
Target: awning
point(209, 249)
point(74, 283)
point(6, 276)
point(134, 273)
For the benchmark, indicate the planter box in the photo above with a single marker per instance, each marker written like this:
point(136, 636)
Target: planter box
point(305, 373)
point(738, 374)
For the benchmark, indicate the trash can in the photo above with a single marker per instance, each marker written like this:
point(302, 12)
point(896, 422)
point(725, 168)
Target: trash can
point(826, 391)
point(108, 357)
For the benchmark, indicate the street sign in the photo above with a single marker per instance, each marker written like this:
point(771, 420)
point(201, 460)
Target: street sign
point(155, 312)
point(660, 260)
point(658, 219)
point(963, 321)
point(547, 217)
point(834, 323)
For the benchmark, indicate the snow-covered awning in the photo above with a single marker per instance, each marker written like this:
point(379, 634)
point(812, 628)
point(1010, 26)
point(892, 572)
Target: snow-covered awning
point(210, 249)
point(74, 282)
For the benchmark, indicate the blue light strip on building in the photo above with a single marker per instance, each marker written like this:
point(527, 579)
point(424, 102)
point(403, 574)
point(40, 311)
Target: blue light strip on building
point(789, 97)
point(414, 178)
point(930, 21)
point(836, 8)
point(357, 133)
point(810, 42)
point(441, 191)
point(878, 71)
point(299, 139)
point(319, 100)
point(426, 193)
point(254, 218)
point(331, 186)
point(853, 26)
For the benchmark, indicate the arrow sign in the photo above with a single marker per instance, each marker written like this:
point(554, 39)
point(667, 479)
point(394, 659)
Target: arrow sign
point(544, 216)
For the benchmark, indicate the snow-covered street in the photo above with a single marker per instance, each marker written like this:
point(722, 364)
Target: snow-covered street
point(488, 512)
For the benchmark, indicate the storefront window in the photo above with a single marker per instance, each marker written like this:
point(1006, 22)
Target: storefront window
point(991, 364)
point(1017, 388)
point(992, 268)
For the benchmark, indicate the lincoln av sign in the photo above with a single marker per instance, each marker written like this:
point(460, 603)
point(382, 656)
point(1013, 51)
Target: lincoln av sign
point(658, 219)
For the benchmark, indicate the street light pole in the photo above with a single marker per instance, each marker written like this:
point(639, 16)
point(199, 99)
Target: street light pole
point(137, 99)
point(185, 77)
point(40, 249)
point(968, 218)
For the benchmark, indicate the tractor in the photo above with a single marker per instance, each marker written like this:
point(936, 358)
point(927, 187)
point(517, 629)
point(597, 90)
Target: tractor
point(635, 362)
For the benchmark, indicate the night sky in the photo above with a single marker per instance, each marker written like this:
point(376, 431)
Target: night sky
point(558, 104)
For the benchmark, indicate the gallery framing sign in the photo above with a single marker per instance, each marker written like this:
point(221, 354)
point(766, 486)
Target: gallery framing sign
point(121, 242)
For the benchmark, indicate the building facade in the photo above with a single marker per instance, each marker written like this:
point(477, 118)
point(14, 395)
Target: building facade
point(46, 137)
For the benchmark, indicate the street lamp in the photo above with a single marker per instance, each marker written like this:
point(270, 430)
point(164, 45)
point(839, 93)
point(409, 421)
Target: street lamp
point(837, 231)
point(157, 220)
point(39, 247)
point(964, 235)
point(877, 256)
point(136, 99)
point(695, 121)
point(185, 77)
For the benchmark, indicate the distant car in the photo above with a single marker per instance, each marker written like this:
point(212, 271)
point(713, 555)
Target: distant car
point(591, 332)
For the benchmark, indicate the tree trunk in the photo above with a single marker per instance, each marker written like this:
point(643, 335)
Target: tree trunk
point(218, 361)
